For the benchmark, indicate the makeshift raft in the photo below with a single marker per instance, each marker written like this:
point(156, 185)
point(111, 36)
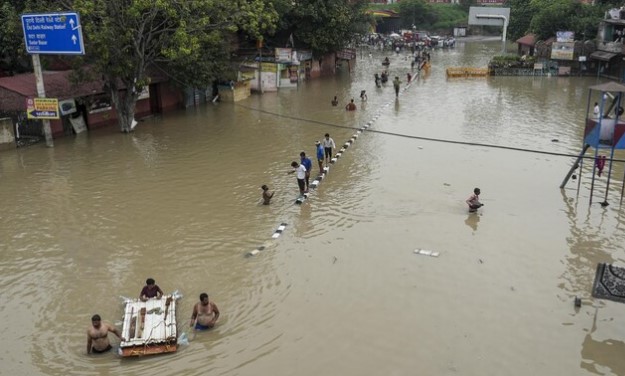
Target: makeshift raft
point(149, 327)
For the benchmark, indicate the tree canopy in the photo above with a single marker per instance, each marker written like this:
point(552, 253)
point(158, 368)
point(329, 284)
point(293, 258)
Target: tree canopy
point(545, 17)
point(323, 25)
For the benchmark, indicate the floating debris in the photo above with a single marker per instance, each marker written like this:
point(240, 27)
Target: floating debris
point(426, 252)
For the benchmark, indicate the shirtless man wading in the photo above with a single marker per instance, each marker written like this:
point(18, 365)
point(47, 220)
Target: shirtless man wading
point(205, 313)
point(98, 336)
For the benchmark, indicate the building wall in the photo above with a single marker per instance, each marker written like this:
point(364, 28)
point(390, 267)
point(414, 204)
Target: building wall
point(142, 109)
point(101, 119)
point(170, 97)
point(11, 101)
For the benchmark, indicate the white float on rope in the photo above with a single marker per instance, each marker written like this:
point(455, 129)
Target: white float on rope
point(298, 201)
point(279, 230)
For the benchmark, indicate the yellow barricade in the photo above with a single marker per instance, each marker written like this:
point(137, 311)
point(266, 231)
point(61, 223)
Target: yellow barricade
point(466, 72)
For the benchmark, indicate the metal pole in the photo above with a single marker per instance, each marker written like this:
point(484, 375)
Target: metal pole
point(622, 186)
point(260, 65)
point(41, 93)
point(505, 31)
point(607, 187)
point(575, 165)
point(594, 170)
point(616, 119)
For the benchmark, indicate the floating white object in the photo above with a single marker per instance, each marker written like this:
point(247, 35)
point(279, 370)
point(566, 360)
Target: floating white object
point(256, 251)
point(426, 252)
point(149, 327)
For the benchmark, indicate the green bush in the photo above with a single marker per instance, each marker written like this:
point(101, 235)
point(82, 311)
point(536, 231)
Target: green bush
point(511, 61)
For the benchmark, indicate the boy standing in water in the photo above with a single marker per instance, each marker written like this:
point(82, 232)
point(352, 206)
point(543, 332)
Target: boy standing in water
point(320, 156)
point(266, 195)
point(474, 201)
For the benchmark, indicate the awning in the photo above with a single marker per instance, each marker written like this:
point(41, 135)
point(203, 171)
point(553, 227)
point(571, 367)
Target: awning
point(602, 55)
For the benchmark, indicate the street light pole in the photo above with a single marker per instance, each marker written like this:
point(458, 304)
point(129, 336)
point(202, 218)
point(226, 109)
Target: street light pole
point(260, 64)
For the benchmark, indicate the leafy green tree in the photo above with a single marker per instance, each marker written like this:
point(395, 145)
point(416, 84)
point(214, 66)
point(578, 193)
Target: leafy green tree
point(126, 38)
point(323, 25)
point(13, 58)
point(415, 12)
point(521, 14)
point(555, 15)
point(466, 4)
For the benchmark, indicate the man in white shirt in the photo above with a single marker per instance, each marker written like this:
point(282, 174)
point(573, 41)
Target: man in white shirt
point(328, 144)
point(301, 176)
point(596, 110)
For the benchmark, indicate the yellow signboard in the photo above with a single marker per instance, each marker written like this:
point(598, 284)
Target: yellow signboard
point(42, 108)
point(269, 67)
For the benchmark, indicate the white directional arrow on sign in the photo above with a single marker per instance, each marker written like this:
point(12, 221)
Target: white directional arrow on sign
point(74, 39)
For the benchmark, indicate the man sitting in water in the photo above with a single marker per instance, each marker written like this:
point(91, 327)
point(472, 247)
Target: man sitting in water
point(205, 313)
point(150, 290)
point(97, 336)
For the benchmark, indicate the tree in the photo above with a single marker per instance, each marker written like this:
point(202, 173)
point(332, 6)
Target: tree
point(13, 56)
point(324, 25)
point(415, 12)
point(466, 4)
point(554, 15)
point(521, 14)
point(126, 38)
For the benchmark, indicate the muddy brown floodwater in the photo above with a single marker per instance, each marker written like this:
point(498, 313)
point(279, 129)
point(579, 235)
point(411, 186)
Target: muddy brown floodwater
point(341, 291)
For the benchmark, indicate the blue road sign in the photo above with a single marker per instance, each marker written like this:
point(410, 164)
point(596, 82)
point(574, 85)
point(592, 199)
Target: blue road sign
point(43, 115)
point(53, 33)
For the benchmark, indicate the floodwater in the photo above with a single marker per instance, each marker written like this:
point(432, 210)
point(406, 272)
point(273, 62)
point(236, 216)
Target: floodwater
point(341, 291)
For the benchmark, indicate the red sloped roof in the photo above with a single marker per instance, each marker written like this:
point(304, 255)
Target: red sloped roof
point(528, 40)
point(57, 85)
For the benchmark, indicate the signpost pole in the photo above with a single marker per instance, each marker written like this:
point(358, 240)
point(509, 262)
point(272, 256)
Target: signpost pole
point(260, 66)
point(41, 93)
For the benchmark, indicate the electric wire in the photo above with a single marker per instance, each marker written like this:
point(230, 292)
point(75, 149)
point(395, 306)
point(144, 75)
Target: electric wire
point(456, 142)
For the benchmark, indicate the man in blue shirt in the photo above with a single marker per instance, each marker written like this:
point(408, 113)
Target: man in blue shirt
point(320, 156)
point(306, 162)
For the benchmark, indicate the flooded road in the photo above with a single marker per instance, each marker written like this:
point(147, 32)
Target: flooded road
point(341, 291)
